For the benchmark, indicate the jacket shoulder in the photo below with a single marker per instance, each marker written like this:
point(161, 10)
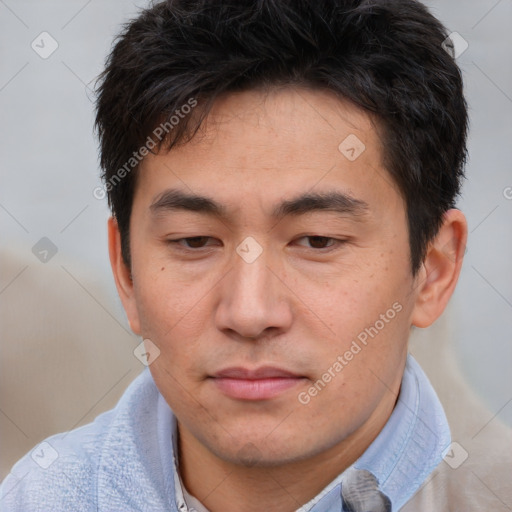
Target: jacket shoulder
point(59, 473)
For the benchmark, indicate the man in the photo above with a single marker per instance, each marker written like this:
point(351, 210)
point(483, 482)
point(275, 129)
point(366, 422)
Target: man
point(282, 177)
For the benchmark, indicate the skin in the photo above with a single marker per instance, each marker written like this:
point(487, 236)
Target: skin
point(298, 306)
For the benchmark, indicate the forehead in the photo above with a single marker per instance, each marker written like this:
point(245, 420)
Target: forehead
point(256, 147)
point(279, 119)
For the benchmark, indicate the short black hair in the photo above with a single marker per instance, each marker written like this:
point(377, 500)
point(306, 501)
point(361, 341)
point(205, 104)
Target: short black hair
point(388, 57)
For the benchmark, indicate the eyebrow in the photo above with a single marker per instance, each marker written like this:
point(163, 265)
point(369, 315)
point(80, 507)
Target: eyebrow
point(331, 201)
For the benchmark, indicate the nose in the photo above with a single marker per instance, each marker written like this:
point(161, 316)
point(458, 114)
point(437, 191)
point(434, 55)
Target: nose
point(254, 301)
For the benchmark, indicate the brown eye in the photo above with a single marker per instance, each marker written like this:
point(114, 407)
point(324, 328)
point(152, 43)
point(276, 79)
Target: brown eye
point(319, 242)
point(195, 242)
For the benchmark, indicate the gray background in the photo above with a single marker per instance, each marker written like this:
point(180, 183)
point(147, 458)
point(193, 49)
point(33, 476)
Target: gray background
point(49, 167)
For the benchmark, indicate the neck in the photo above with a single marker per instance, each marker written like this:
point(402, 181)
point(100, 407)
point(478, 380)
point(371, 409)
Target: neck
point(222, 485)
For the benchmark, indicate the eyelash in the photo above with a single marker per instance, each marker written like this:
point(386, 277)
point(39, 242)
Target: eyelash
point(336, 242)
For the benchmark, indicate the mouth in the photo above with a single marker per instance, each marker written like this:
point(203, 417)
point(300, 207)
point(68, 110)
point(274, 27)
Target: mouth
point(261, 383)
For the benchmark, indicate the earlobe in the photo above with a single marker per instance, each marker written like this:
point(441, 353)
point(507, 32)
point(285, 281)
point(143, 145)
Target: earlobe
point(122, 276)
point(440, 272)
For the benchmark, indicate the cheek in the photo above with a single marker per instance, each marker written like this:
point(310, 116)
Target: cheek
point(172, 312)
point(174, 318)
point(368, 319)
point(350, 299)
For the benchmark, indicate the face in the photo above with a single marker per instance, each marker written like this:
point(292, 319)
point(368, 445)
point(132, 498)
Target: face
point(281, 301)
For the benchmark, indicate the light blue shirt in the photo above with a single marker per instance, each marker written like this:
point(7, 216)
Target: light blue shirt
point(125, 460)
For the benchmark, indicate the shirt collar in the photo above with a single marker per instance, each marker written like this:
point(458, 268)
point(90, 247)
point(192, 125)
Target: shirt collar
point(417, 430)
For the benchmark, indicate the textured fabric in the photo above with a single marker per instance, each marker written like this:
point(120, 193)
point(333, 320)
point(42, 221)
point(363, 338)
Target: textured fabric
point(113, 464)
point(125, 460)
point(360, 492)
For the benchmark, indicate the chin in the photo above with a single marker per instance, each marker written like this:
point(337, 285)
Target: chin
point(253, 452)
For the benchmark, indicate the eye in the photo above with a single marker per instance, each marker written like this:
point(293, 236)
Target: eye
point(195, 242)
point(321, 242)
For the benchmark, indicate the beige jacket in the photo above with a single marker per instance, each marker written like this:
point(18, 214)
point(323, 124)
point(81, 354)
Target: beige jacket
point(483, 480)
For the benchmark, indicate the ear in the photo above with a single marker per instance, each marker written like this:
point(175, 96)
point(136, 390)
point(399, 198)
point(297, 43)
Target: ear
point(122, 276)
point(440, 271)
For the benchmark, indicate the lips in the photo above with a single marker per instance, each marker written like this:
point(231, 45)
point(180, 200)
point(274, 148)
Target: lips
point(264, 372)
point(261, 383)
